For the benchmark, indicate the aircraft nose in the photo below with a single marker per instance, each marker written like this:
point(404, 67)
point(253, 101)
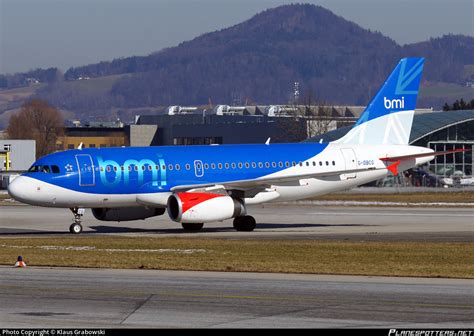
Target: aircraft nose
point(19, 189)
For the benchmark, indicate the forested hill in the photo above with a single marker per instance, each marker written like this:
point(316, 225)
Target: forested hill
point(259, 60)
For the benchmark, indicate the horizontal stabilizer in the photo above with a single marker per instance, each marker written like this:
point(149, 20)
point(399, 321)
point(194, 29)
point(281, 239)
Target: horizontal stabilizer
point(414, 156)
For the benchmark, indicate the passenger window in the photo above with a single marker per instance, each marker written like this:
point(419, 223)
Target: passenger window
point(307, 164)
point(233, 165)
point(267, 164)
point(293, 163)
point(320, 163)
point(219, 165)
point(314, 163)
point(327, 163)
point(177, 167)
point(274, 164)
point(213, 165)
point(280, 164)
point(254, 165)
point(287, 164)
point(260, 165)
point(247, 165)
point(227, 166)
point(240, 165)
point(163, 167)
point(333, 163)
point(188, 167)
point(170, 167)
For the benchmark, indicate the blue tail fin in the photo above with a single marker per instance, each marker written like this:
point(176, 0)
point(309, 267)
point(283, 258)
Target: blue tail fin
point(389, 116)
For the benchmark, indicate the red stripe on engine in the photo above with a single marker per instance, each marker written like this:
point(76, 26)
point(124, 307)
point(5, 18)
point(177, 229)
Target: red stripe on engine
point(190, 199)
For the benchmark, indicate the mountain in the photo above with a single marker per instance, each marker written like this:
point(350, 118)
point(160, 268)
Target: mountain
point(258, 61)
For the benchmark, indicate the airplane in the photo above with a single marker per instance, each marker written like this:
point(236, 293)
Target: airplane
point(201, 184)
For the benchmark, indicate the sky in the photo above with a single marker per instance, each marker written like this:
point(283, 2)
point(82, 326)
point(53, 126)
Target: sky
point(65, 33)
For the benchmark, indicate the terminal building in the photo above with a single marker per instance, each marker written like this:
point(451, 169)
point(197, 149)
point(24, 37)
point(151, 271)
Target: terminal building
point(255, 124)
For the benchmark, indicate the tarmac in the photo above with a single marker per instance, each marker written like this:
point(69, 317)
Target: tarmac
point(35, 297)
point(288, 221)
point(104, 298)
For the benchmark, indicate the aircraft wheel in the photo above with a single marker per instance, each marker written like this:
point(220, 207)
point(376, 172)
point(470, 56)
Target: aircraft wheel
point(192, 226)
point(75, 228)
point(244, 223)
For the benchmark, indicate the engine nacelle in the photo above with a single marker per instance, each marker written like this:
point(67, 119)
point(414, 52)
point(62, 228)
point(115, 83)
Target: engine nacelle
point(126, 214)
point(195, 207)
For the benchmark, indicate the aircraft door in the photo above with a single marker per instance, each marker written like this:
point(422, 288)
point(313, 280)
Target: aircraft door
point(350, 161)
point(198, 168)
point(85, 167)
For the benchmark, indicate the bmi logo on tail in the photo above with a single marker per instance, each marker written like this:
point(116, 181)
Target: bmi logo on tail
point(394, 103)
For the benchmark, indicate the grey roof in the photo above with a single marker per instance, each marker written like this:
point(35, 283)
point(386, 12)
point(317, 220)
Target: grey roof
point(423, 124)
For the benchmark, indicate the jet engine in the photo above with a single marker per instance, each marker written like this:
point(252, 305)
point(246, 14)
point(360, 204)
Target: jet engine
point(196, 207)
point(126, 214)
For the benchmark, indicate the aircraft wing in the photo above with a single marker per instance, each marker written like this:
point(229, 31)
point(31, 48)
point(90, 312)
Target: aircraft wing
point(265, 182)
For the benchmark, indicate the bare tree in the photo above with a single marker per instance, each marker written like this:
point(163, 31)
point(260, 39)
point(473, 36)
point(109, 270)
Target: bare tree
point(319, 115)
point(39, 121)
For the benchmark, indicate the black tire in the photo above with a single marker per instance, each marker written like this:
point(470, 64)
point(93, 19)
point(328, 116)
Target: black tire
point(244, 223)
point(192, 226)
point(75, 228)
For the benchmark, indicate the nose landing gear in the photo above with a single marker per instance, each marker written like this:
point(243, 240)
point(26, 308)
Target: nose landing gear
point(76, 226)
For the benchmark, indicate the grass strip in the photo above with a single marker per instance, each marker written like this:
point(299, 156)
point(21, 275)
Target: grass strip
point(420, 259)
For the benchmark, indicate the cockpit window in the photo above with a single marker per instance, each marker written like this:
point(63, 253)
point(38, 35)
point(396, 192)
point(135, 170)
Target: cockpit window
point(44, 169)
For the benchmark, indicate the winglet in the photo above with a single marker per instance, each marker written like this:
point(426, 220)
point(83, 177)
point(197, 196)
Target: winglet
point(268, 141)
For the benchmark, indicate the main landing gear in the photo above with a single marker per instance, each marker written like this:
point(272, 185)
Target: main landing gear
point(244, 223)
point(76, 226)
